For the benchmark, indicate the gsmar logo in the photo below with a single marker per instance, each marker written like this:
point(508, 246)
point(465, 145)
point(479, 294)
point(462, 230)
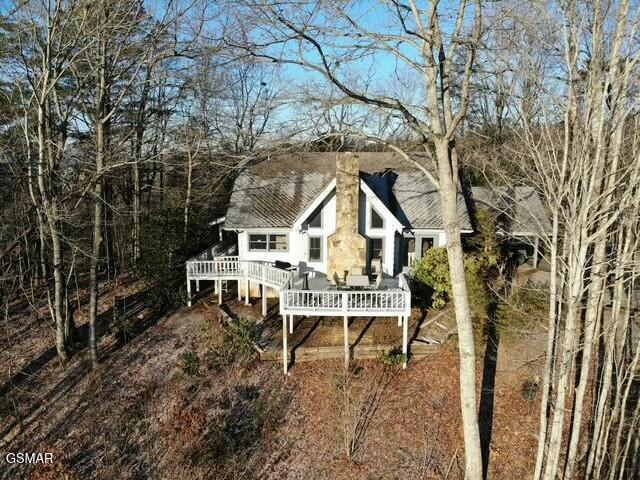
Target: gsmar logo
point(30, 458)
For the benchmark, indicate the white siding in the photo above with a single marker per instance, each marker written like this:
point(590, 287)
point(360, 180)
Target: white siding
point(328, 213)
point(298, 237)
point(291, 255)
point(387, 233)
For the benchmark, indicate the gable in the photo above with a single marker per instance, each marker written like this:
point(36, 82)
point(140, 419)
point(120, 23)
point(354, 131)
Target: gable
point(277, 192)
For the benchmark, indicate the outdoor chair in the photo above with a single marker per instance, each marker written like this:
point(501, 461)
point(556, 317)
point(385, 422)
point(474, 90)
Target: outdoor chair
point(376, 265)
point(379, 281)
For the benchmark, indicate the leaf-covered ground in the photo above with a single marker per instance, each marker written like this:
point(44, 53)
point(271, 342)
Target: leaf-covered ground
point(166, 403)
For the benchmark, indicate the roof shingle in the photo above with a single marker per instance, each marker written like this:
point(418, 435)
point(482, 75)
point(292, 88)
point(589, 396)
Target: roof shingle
point(275, 192)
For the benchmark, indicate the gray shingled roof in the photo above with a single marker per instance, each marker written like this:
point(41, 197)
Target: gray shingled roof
point(275, 192)
point(521, 207)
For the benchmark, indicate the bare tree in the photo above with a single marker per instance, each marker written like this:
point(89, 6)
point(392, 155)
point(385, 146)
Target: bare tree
point(425, 41)
point(575, 141)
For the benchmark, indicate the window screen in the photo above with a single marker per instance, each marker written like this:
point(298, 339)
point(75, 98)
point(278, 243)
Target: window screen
point(257, 242)
point(277, 243)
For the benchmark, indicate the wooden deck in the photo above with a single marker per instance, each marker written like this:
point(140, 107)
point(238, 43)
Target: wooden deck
point(321, 338)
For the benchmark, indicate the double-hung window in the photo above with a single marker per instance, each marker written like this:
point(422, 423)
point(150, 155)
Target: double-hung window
point(315, 249)
point(268, 242)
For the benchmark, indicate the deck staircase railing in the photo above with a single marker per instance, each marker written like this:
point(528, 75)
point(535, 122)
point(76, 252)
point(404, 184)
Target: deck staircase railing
point(234, 268)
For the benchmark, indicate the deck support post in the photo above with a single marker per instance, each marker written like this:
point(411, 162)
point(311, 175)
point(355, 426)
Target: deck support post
point(535, 251)
point(246, 292)
point(291, 323)
point(188, 291)
point(346, 342)
point(239, 292)
point(215, 286)
point(219, 292)
point(197, 285)
point(285, 352)
point(405, 339)
point(399, 321)
point(264, 300)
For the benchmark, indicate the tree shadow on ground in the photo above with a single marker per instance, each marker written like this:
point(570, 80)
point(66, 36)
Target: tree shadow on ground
point(136, 314)
point(487, 394)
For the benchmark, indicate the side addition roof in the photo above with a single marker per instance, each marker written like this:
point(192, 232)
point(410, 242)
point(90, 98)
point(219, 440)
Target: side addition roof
point(521, 207)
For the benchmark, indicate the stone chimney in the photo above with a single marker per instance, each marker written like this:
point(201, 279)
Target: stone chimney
point(346, 247)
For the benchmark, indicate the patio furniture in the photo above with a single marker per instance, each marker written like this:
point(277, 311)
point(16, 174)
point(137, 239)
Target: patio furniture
point(376, 265)
point(379, 281)
point(284, 266)
point(336, 279)
point(305, 281)
point(357, 281)
point(356, 271)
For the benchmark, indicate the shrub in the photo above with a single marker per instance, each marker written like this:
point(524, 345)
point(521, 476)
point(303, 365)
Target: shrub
point(190, 363)
point(523, 310)
point(392, 358)
point(530, 389)
point(433, 270)
point(485, 243)
point(235, 343)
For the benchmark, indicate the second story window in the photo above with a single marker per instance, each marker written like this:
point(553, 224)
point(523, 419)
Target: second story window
point(376, 219)
point(316, 219)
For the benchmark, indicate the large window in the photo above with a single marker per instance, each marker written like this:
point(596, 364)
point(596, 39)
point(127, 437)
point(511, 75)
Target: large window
point(278, 243)
point(315, 249)
point(316, 219)
point(376, 219)
point(271, 242)
point(376, 252)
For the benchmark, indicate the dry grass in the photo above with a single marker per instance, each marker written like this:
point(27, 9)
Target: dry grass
point(142, 416)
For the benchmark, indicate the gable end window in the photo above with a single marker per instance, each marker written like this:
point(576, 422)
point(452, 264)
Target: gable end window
point(271, 242)
point(376, 219)
point(316, 220)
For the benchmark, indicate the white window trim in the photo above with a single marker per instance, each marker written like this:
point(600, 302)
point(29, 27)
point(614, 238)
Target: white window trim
point(321, 259)
point(268, 235)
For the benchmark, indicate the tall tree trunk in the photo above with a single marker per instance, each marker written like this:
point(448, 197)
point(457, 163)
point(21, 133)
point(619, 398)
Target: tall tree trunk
point(51, 215)
point(95, 245)
point(466, 344)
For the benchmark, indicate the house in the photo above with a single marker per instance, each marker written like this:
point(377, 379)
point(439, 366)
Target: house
point(330, 234)
point(288, 209)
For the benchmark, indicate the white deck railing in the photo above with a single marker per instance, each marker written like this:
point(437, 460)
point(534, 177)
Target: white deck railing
point(395, 301)
point(350, 303)
point(233, 267)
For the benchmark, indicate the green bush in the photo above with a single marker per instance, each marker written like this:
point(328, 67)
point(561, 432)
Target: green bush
point(235, 343)
point(433, 270)
point(190, 363)
point(392, 358)
point(159, 265)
